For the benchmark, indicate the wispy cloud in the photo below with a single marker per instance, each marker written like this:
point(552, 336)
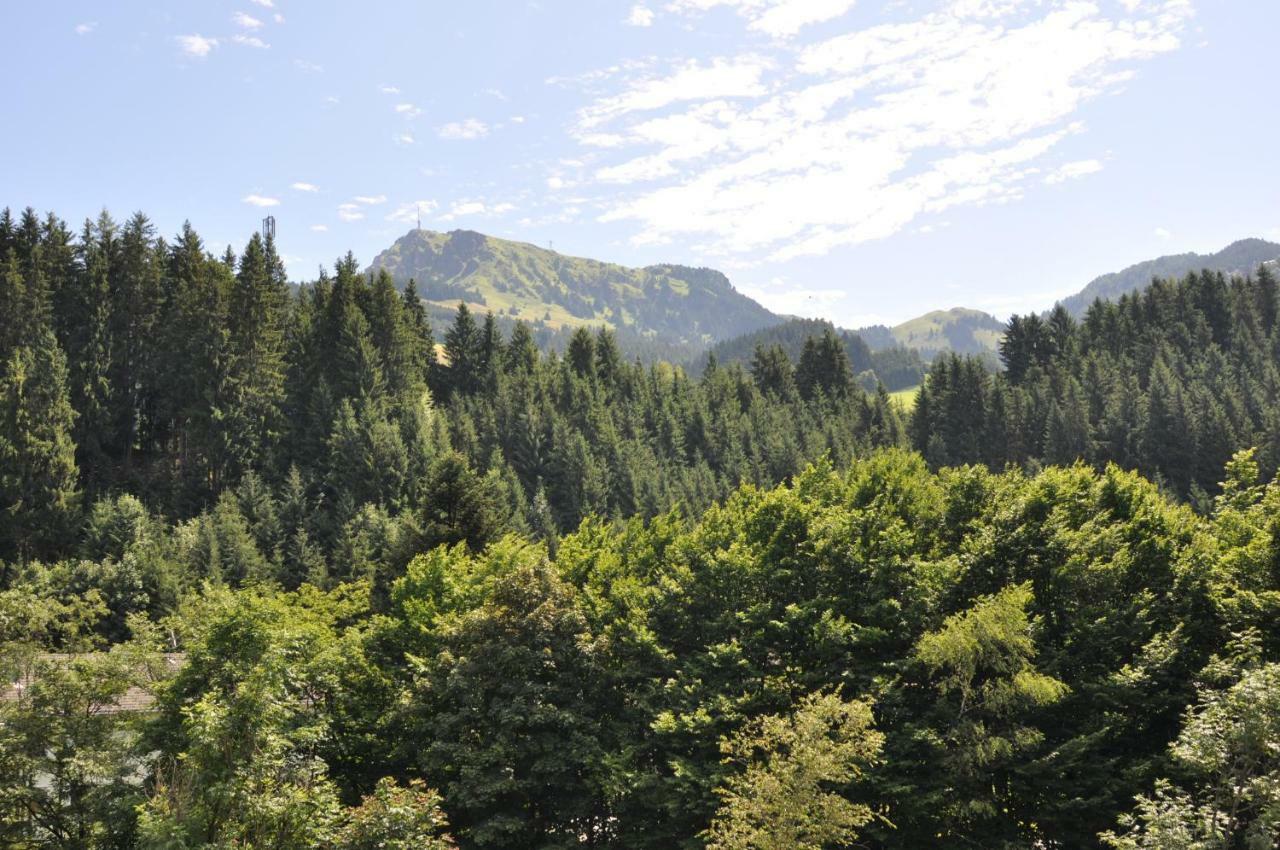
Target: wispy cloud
point(468, 208)
point(245, 21)
point(388, 89)
point(807, 145)
point(403, 138)
point(1162, 233)
point(266, 4)
point(308, 67)
point(256, 200)
point(350, 212)
point(370, 200)
point(1072, 170)
point(779, 18)
point(319, 228)
point(471, 128)
point(250, 41)
point(86, 27)
point(408, 110)
point(196, 46)
point(305, 187)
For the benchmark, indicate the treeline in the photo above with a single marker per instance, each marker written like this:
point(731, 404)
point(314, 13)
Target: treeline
point(893, 366)
point(327, 418)
point(1170, 381)
point(878, 656)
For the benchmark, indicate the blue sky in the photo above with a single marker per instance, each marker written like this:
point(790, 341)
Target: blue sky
point(861, 160)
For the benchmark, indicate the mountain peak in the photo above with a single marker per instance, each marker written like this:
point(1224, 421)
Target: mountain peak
point(518, 280)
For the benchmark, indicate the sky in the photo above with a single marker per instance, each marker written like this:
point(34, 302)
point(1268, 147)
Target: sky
point(863, 161)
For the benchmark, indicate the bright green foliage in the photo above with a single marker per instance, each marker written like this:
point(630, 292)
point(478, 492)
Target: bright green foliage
point(395, 818)
point(69, 777)
point(788, 796)
point(980, 663)
point(245, 726)
point(509, 717)
point(1229, 747)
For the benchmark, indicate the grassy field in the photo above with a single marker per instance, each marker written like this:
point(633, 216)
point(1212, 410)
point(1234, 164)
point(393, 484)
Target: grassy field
point(906, 398)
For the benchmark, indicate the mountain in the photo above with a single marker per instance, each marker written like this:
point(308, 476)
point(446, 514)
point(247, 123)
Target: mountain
point(960, 329)
point(896, 367)
point(673, 304)
point(1242, 257)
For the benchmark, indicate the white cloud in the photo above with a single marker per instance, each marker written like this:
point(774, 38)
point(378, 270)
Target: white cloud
point(517, 119)
point(1072, 170)
point(640, 16)
point(408, 213)
point(408, 110)
point(778, 18)
point(278, 18)
point(86, 28)
point(196, 46)
point(471, 128)
point(852, 137)
point(320, 228)
point(248, 22)
point(370, 200)
point(722, 78)
point(556, 182)
point(305, 187)
point(307, 67)
point(403, 138)
point(787, 18)
point(266, 4)
point(257, 200)
point(250, 41)
point(1162, 233)
point(461, 209)
point(350, 212)
point(388, 89)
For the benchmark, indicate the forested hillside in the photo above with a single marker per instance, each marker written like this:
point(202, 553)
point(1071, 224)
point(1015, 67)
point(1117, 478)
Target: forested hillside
point(274, 574)
point(1170, 381)
point(1240, 257)
point(896, 367)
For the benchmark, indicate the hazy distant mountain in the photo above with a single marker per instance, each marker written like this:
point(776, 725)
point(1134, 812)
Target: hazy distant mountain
point(960, 329)
point(1241, 257)
point(674, 304)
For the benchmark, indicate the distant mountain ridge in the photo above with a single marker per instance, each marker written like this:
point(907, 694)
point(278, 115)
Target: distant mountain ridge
point(961, 330)
point(517, 280)
point(1241, 257)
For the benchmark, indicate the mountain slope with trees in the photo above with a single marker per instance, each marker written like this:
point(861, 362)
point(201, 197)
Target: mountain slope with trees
point(1170, 380)
point(1238, 258)
point(544, 288)
point(896, 367)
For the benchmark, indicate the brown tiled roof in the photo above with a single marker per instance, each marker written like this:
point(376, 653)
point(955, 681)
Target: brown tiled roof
point(136, 698)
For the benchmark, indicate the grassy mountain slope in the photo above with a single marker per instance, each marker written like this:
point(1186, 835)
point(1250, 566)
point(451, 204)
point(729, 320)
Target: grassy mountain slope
point(960, 329)
point(517, 280)
point(1242, 257)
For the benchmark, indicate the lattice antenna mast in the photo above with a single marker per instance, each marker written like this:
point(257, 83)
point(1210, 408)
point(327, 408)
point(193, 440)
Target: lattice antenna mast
point(269, 228)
